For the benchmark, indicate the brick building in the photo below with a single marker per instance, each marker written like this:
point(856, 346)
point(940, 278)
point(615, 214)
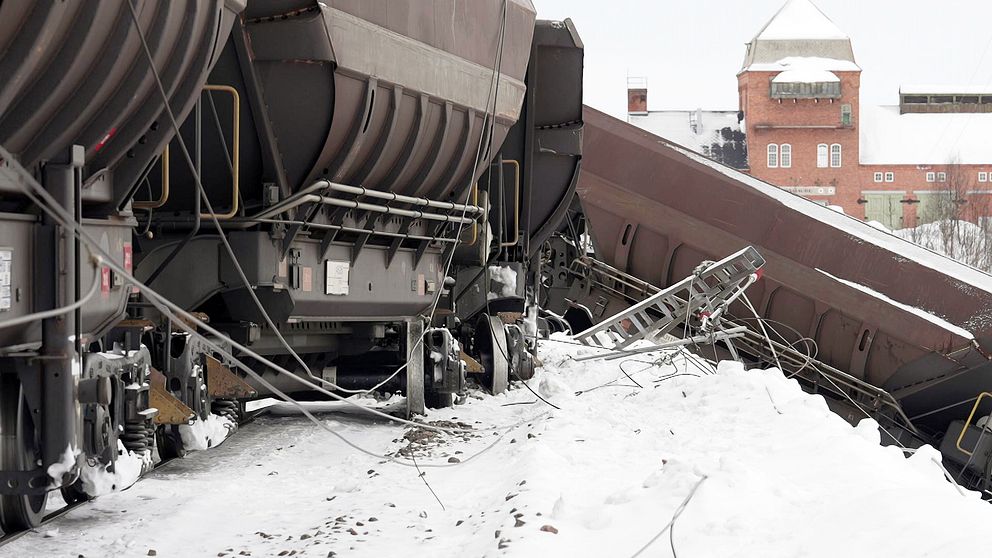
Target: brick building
point(806, 131)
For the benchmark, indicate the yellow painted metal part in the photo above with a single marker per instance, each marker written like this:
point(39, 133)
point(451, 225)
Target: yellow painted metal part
point(198, 315)
point(472, 366)
point(170, 409)
point(516, 203)
point(968, 422)
point(510, 317)
point(235, 149)
point(222, 383)
point(475, 225)
point(235, 161)
point(164, 196)
point(143, 325)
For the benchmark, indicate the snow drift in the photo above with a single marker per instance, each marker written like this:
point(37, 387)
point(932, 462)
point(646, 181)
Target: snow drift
point(602, 476)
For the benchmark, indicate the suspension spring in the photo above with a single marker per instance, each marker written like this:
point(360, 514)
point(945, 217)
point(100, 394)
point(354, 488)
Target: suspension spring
point(134, 437)
point(149, 435)
point(226, 408)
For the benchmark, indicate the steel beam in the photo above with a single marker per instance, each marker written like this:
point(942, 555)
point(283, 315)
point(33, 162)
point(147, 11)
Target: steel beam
point(57, 269)
point(414, 368)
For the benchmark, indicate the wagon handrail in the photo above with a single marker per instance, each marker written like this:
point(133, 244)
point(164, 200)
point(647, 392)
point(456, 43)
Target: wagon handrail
point(967, 423)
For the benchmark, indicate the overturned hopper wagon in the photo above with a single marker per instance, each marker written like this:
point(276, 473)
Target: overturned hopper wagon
point(903, 330)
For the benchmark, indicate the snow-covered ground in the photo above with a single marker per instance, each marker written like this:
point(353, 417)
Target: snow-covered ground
point(962, 240)
point(774, 473)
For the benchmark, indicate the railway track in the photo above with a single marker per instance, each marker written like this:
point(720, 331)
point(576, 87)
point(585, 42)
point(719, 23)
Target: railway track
point(53, 516)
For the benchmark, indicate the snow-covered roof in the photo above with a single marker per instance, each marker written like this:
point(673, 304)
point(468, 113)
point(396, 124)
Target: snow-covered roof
point(945, 89)
point(799, 29)
point(890, 138)
point(806, 76)
point(805, 63)
point(800, 19)
point(676, 125)
point(711, 127)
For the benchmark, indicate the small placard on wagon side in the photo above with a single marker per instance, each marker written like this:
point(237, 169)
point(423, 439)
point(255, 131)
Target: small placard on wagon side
point(336, 278)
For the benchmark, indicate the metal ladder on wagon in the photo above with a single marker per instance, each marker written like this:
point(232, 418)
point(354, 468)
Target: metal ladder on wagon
point(704, 295)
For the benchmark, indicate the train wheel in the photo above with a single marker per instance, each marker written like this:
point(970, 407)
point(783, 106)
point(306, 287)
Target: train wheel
point(437, 400)
point(74, 493)
point(490, 342)
point(18, 452)
point(169, 442)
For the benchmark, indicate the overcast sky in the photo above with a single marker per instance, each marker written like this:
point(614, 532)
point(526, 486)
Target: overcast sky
point(691, 50)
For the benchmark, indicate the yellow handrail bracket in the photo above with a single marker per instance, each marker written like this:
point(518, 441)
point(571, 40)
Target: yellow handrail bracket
point(164, 197)
point(236, 148)
point(516, 203)
point(967, 423)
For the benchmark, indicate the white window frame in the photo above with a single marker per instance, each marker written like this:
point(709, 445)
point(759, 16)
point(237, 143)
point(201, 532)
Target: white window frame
point(890, 177)
point(785, 156)
point(941, 177)
point(836, 149)
point(931, 177)
point(772, 159)
point(878, 177)
point(983, 176)
point(822, 156)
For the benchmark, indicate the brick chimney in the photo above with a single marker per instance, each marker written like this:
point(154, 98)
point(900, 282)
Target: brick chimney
point(637, 95)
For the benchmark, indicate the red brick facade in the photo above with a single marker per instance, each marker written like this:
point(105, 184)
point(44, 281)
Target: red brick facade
point(805, 124)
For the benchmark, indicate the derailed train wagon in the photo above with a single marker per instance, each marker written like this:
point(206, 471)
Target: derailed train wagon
point(906, 333)
point(362, 130)
point(81, 114)
point(340, 149)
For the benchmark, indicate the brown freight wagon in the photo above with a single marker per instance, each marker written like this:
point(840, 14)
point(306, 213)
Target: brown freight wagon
point(880, 309)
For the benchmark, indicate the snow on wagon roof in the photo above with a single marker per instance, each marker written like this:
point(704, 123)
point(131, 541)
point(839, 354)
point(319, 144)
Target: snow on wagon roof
point(932, 318)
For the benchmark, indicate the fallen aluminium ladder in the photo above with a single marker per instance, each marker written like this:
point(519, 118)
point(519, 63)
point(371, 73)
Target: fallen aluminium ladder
point(622, 286)
point(706, 294)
